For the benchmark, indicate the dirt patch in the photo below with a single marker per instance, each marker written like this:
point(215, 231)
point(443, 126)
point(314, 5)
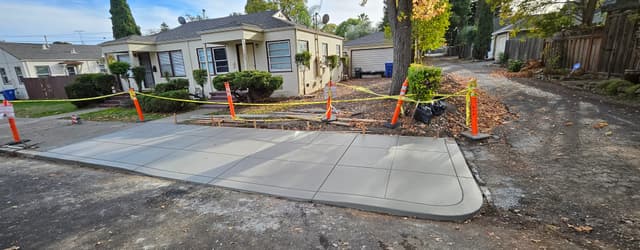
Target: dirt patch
point(370, 116)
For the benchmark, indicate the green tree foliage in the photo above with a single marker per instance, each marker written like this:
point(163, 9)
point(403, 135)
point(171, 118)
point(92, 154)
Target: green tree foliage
point(138, 75)
point(424, 81)
point(296, 10)
point(429, 34)
point(459, 18)
point(354, 28)
point(547, 17)
point(329, 28)
point(467, 35)
point(385, 20)
point(122, 21)
point(164, 27)
point(482, 40)
point(255, 6)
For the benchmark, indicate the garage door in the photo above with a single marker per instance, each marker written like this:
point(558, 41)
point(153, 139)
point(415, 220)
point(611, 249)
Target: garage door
point(371, 59)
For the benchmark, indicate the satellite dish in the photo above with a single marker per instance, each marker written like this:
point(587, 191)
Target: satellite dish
point(325, 19)
point(181, 20)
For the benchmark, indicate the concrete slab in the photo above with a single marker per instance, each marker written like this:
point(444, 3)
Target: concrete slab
point(195, 163)
point(432, 162)
point(278, 173)
point(411, 176)
point(368, 182)
point(368, 157)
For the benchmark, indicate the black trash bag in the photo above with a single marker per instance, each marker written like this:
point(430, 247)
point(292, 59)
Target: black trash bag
point(438, 107)
point(423, 113)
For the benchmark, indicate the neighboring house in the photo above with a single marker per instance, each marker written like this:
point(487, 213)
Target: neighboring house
point(26, 60)
point(370, 52)
point(500, 37)
point(266, 41)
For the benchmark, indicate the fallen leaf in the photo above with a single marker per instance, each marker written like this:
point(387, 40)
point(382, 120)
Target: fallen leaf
point(581, 229)
point(568, 124)
point(608, 133)
point(600, 125)
point(13, 248)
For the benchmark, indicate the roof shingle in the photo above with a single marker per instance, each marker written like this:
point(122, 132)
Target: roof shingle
point(26, 51)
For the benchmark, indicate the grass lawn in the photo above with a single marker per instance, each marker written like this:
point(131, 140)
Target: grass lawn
point(121, 115)
point(41, 109)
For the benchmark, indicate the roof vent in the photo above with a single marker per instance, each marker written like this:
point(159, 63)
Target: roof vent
point(73, 51)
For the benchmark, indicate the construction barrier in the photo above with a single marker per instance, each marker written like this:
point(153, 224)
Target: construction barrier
point(230, 100)
point(132, 94)
point(7, 111)
point(394, 120)
point(330, 90)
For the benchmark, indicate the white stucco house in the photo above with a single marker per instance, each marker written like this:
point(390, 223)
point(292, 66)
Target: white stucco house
point(266, 41)
point(27, 60)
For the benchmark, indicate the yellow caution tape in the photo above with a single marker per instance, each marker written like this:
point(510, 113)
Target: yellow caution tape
point(70, 100)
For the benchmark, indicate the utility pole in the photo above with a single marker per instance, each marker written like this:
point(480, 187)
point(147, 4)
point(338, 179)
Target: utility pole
point(80, 34)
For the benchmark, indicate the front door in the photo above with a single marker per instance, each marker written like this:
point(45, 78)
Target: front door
point(145, 61)
point(251, 57)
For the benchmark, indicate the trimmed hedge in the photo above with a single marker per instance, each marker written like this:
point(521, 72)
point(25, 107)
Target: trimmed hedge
point(424, 81)
point(258, 84)
point(90, 85)
point(155, 105)
point(173, 84)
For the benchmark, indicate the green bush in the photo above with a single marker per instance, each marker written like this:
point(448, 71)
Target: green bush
point(503, 58)
point(155, 105)
point(102, 82)
point(613, 86)
point(200, 76)
point(173, 84)
point(138, 76)
point(304, 58)
point(82, 90)
point(424, 81)
point(631, 90)
point(119, 68)
point(515, 65)
point(332, 61)
point(249, 85)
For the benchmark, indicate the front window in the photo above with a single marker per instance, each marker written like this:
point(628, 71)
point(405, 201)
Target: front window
point(3, 75)
point(279, 56)
point(303, 46)
point(43, 71)
point(71, 70)
point(338, 49)
point(216, 58)
point(19, 75)
point(325, 51)
point(171, 63)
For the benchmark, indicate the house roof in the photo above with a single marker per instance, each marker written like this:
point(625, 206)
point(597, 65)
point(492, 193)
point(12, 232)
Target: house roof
point(506, 29)
point(374, 39)
point(26, 51)
point(262, 20)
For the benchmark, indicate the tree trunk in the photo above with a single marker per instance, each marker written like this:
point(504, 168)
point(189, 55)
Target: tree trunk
point(401, 30)
point(588, 12)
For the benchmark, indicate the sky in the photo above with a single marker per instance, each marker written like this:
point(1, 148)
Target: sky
point(88, 21)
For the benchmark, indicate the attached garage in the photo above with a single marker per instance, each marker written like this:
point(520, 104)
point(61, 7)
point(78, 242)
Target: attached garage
point(369, 53)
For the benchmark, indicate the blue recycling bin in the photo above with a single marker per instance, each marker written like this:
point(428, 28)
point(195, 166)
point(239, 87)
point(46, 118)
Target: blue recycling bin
point(9, 94)
point(388, 69)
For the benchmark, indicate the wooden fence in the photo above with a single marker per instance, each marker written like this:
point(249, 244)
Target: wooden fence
point(524, 49)
point(620, 43)
point(567, 51)
point(48, 88)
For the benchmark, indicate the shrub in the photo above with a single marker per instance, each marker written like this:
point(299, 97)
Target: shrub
point(82, 90)
point(631, 90)
point(200, 76)
point(614, 86)
point(102, 82)
point(173, 84)
point(503, 58)
point(138, 76)
point(332, 61)
point(304, 58)
point(424, 81)
point(257, 84)
point(119, 68)
point(515, 65)
point(155, 105)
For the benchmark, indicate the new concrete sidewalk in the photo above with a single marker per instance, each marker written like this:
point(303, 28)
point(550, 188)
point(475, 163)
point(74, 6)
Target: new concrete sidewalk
point(410, 176)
